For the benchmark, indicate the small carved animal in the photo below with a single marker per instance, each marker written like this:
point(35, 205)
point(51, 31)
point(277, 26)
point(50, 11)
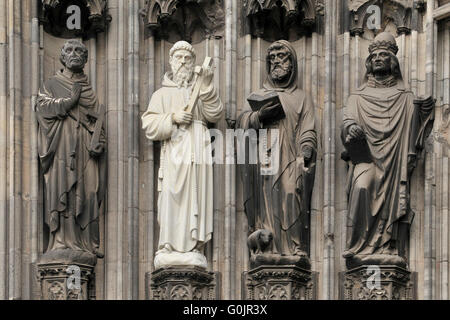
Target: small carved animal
point(260, 241)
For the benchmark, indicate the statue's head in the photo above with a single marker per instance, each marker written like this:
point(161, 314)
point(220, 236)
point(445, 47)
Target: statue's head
point(182, 61)
point(382, 59)
point(281, 63)
point(74, 55)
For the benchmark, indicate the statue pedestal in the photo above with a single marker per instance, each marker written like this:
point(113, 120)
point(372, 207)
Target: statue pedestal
point(372, 282)
point(182, 283)
point(62, 281)
point(279, 283)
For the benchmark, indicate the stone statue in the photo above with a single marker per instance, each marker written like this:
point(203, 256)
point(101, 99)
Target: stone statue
point(383, 130)
point(185, 185)
point(71, 151)
point(280, 203)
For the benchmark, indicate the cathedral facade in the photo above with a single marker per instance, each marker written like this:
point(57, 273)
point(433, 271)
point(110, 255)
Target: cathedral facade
point(129, 42)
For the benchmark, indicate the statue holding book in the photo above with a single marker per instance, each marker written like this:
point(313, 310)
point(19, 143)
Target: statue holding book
point(278, 204)
point(384, 128)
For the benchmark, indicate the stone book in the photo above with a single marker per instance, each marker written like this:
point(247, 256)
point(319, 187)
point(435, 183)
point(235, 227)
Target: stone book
point(257, 101)
point(358, 151)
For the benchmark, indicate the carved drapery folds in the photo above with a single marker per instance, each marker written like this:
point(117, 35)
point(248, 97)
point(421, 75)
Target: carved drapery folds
point(189, 20)
point(364, 15)
point(286, 19)
point(61, 21)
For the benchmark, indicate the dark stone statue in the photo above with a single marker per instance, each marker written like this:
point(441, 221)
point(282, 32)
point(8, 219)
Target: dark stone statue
point(71, 151)
point(279, 204)
point(384, 128)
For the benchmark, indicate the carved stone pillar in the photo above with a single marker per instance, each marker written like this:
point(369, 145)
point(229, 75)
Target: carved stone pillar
point(61, 281)
point(279, 283)
point(385, 283)
point(182, 283)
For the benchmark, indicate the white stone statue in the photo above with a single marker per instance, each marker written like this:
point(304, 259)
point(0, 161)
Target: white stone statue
point(185, 180)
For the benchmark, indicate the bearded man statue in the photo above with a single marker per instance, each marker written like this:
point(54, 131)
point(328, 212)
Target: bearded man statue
point(383, 130)
point(185, 179)
point(278, 203)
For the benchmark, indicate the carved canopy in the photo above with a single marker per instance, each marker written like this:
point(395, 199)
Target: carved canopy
point(178, 19)
point(94, 17)
point(275, 19)
point(398, 12)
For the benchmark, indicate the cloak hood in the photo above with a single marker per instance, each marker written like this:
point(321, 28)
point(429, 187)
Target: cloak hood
point(290, 85)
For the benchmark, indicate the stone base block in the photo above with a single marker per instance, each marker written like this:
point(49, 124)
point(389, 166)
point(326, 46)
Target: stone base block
point(374, 282)
point(279, 283)
point(182, 283)
point(60, 281)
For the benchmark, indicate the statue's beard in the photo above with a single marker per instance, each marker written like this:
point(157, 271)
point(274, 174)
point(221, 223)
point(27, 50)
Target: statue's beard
point(182, 75)
point(280, 73)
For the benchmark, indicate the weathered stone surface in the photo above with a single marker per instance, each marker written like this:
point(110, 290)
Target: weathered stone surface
point(59, 281)
point(275, 20)
point(279, 283)
point(385, 283)
point(94, 17)
point(177, 20)
point(182, 283)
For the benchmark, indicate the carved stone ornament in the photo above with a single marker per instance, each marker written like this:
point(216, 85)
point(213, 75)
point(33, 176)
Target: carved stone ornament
point(279, 283)
point(65, 282)
point(399, 12)
point(60, 20)
point(182, 283)
point(385, 283)
point(274, 20)
point(175, 20)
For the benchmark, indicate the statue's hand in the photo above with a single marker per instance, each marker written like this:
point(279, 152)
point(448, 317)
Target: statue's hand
point(97, 151)
point(268, 111)
point(307, 153)
point(75, 94)
point(182, 117)
point(207, 76)
point(355, 133)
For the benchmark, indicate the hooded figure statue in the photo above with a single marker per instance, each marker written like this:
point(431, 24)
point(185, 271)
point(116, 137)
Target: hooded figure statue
point(383, 130)
point(279, 202)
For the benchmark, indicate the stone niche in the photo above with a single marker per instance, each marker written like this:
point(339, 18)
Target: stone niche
point(55, 14)
point(403, 14)
point(286, 19)
point(189, 20)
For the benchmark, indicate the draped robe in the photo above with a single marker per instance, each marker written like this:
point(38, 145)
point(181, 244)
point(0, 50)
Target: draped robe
point(272, 201)
point(185, 178)
point(379, 213)
point(74, 181)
